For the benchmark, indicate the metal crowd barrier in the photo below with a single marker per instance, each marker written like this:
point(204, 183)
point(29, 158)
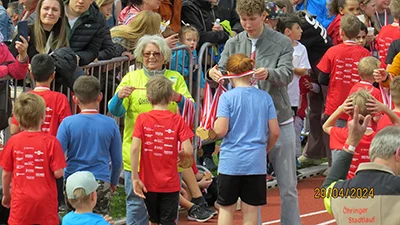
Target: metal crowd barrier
point(109, 72)
point(205, 62)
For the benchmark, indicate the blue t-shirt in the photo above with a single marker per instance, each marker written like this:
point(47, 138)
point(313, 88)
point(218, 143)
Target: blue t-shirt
point(91, 141)
point(244, 148)
point(73, 218)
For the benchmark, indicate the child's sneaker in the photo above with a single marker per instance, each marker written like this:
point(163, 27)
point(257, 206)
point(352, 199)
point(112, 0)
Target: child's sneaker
point(207, 209)
point(199, 214)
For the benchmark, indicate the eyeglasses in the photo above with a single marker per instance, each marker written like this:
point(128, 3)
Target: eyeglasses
point(148, 54)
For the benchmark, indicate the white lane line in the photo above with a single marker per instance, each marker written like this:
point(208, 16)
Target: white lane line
point(327, 222)
point(301, 216)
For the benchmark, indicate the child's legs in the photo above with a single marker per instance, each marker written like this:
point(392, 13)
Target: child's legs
point(152, 205)
point(191, 182)
point(136, 213)
point(298, 126)
point(103, 198)
point(185, 203)
point(226, 214)
point(228, 194)
point(60, 191)
point(250, 214)
point(168, 207)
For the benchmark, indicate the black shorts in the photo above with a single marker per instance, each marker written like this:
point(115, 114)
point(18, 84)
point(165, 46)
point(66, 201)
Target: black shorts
point(162, 207)
point(252, 189)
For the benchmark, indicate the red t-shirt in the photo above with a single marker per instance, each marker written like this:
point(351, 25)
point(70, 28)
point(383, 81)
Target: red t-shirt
point(385, 121)
point(334, 30)
point(160, 131)
point(33, 157)
point(57, 108)
point(375, 92)
point(338, 138)
point(341, 61)
point(386, 36)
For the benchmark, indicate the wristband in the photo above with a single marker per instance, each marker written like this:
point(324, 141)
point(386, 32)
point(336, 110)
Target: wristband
point(349, 147)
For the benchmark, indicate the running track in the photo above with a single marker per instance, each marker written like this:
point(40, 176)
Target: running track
point(312, 210)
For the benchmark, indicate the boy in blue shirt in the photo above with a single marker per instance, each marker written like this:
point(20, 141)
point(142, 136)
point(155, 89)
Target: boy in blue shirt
point(247, 121)
point(90, 140)
point(81, 192)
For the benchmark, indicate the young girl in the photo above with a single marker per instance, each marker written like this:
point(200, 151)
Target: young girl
point(188, 36)
point(361, 38)
point(248, 132)
point(340, 8)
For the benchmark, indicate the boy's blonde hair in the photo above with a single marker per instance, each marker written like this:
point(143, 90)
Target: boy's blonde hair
point(350, 25)
point(367, 65)
point(159, 90)
point(395, 91)
point(250, 7)
point(185, 30)
point(81, 198)
point(29, 110)
point(360, 99)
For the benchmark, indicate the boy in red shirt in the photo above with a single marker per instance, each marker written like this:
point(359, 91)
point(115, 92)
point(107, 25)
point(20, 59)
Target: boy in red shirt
point(156, 136)
point(367, 106)
point(395, 93)
point(31, 161)
point(57, 105)
point(388, 33)
point(339, 65)
point(366, 68)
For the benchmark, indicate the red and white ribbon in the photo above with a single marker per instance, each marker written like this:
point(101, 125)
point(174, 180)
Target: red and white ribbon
point(386, 96)
point(210, 103)
point(379, 21)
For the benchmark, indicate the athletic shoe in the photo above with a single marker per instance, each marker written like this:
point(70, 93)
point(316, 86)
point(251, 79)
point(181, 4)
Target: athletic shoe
point(304, 160)
point(199, 214)
point(206, 208)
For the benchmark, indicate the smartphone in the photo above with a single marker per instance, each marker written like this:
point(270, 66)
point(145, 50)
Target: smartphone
point(22, 30)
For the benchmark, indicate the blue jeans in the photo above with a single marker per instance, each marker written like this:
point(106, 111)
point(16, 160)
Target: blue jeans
point(136, 212)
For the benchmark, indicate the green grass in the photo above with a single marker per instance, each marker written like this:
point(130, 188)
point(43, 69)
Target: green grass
point(118, 204)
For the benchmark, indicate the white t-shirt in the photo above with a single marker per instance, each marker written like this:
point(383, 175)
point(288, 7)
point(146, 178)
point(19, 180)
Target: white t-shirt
point(300, 60)
point(253, 49)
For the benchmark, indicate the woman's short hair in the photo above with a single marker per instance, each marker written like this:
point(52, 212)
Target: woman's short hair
point(153, 39)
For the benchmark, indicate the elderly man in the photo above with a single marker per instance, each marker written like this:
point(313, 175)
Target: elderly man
point(272, 52)
point(372, 196)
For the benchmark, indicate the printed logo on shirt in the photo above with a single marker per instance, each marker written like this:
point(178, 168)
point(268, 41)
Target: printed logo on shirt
point(323, 33)
point(29, 163)
point(169, 131)
point(46, 124)
point(143, 101)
